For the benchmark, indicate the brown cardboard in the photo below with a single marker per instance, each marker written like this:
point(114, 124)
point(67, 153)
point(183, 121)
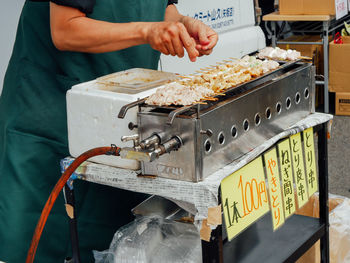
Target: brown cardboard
point(342, 104)
point(339, 66)
point(307, 7)
point(214, 216)
point(205, 232)
point(70, 211)
point(312, 209)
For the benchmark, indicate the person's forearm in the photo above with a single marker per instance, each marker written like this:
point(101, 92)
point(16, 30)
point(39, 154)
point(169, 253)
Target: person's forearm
point(87, 35)
point(172, 14)
point(75, 32)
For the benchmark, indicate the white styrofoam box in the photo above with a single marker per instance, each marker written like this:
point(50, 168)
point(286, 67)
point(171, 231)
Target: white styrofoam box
point(93, 121)
point(236, 43)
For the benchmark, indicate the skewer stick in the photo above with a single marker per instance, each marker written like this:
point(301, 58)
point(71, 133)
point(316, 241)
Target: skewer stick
point(305, 58)
point(210, 98)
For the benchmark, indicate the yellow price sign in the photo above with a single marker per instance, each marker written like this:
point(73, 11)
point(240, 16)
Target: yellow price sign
point(299, 169)
point(273, 178)
point(310, 161)
point(244, 197)
point(285, 161)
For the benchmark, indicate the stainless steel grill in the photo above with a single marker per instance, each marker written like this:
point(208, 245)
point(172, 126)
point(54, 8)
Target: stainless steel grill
point(190, 143)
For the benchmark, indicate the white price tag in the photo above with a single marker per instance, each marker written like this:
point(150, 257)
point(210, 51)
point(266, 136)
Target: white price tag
point(341, 8)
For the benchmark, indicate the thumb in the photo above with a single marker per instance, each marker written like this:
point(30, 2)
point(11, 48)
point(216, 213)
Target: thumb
point(202, 36)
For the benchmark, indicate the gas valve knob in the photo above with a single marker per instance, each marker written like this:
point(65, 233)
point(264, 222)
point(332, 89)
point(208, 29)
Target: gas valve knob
point(135, 138)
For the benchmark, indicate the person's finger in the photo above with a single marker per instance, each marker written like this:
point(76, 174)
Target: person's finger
point(178, 47)
point(189, 44)
point(213, 41)
point(202, 35)
point(205, 52)
point(167, 42)
point(163, 49)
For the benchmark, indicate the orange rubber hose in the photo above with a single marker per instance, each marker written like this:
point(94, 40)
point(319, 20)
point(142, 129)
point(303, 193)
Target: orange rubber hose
point(113, 150)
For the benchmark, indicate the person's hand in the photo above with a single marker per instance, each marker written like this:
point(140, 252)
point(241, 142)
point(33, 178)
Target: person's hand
point(171, 38)
point(205, 37)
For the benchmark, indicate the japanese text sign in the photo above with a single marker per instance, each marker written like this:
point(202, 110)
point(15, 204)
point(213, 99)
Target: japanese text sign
point(244, 197)
point(285, 160)
point(341, 8)
point(310, 161)
point(273, 178)
point(299, 169)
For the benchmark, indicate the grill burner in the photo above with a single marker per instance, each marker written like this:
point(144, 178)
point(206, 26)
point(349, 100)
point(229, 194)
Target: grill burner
point(205, 138)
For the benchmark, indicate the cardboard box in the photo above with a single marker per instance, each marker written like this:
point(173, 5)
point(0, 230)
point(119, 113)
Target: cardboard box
point(307, 7)
point(342, 103)
point(339, 66)
point(312, 209)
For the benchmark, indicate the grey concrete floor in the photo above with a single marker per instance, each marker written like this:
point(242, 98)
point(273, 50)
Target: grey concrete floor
point(339, 157)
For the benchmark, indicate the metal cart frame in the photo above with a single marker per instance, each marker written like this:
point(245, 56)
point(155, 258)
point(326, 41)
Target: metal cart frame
point(213, 251)
point(324, 25)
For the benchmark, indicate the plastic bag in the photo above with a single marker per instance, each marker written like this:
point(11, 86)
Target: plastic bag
point(153, 239)
point(339, 230)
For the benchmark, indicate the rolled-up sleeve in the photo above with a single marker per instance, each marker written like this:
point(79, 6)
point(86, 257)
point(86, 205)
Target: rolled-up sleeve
point(170, 2)
point(85, 6)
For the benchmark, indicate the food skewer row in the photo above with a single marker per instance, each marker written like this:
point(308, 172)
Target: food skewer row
point(210, 82)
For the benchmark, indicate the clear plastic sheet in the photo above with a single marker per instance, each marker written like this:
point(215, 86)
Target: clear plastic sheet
point(153, 239)
point(339, 220)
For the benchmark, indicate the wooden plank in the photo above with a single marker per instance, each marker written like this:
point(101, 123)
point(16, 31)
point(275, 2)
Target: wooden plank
point(277, 17)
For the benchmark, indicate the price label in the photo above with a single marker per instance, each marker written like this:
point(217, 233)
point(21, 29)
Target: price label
point(310, 161)
point(273, 178)
point(299, 169)
point(285, 160)
point(244, 197)
point(341, 8)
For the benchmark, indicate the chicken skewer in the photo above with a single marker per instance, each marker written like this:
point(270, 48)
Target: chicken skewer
point(204, 86)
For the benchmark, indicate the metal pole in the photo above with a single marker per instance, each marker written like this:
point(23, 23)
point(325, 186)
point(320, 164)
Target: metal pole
point(323, 190)
point(326, 65)
point(73, 227)
point(212, 252)
point(273, 38)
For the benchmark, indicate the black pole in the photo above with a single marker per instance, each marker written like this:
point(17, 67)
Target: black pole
point(212, 251)
point(323, 190)
point(73, 227)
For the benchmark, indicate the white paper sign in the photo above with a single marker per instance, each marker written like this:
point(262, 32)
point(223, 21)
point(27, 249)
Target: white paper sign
point(341, 8)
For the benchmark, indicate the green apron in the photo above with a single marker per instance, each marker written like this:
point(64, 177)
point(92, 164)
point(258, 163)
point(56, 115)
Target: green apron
point(33, 134)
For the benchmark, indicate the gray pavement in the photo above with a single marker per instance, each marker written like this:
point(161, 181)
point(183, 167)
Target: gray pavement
point(339, 157)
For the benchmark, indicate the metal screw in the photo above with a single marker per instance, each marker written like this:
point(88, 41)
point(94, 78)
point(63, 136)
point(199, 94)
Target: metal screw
point(207, 132)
